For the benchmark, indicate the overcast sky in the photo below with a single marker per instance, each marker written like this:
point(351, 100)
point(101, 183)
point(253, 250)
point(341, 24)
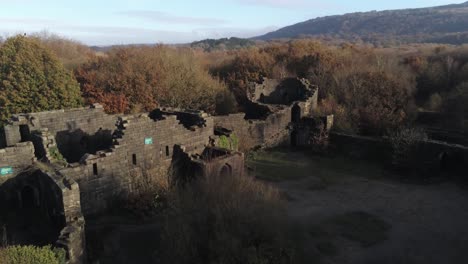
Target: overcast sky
point(105, 22)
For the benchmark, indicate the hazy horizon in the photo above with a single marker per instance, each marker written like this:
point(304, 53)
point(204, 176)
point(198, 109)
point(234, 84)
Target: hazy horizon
point(142, 21)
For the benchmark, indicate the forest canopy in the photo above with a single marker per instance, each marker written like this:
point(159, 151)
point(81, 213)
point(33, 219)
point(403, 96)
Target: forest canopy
point(370, 90)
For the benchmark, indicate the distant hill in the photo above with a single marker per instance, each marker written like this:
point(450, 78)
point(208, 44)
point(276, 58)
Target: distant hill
point(206, 45)
point(222, 44)
point(442, 24)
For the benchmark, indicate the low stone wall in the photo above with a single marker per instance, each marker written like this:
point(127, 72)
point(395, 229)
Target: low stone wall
point(360, 147)
point(435, 156)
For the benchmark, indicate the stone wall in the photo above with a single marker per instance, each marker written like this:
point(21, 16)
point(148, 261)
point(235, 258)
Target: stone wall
point(137, 143)
point(76, 131)
point(252, 133)
point(212, 162)
point(93, 183)
point(72, 236)
point(272, 131)
point(18, 157)
point(88, 119)
point(360, 147)
point(226, 164)
point(141, 144)
point(286, 91)
point(433, 156)
point(258, 91)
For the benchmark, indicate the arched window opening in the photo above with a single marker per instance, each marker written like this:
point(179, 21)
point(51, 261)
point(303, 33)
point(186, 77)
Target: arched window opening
point(296, 113)
point(226, 171)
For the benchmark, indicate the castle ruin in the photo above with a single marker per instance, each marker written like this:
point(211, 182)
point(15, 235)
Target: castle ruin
point(59, 167)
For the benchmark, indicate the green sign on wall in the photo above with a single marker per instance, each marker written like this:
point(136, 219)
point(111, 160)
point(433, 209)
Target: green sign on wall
point(149, 141)
point(6, 171)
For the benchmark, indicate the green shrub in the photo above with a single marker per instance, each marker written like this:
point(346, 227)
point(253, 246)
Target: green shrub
point(31, 255)
point(61, 255)
point(234, 142)
point(231, 142)
point(223, 142)
point(57, 156)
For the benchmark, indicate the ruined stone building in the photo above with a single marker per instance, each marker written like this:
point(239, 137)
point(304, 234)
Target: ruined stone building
point(273, 106)
point(58, 167)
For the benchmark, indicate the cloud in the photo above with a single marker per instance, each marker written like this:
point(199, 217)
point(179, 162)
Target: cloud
point(28, 21)
point(108, 35)
point(111, 35)
point(163, 17)
point(125, 35)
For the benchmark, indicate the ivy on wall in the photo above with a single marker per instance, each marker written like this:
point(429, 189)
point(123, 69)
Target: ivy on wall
point(231, 143)
point(57, 156)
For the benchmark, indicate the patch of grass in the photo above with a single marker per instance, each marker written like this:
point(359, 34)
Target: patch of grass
point(284, 164)
point(361, 227)
point(279, 165)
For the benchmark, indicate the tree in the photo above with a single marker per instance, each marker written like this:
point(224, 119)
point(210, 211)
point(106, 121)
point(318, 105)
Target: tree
point(135, 79)
point(70, 52)
point(32, 79)
point(380, 100)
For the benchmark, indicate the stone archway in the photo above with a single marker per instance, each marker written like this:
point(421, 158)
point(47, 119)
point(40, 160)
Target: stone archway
point(32, 208)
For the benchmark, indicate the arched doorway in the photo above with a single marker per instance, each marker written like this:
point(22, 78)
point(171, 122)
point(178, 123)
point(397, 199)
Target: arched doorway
point(296, 113)
point(226, 171)
point(28, 197)
point(32, 208)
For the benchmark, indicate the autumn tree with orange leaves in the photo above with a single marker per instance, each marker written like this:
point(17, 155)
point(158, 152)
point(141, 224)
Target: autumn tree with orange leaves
point(136, 79)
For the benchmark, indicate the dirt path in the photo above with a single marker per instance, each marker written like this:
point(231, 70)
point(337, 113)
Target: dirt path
point(429, 223)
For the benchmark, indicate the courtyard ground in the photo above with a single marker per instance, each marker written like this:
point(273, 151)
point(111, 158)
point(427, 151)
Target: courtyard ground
point(356, 212)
